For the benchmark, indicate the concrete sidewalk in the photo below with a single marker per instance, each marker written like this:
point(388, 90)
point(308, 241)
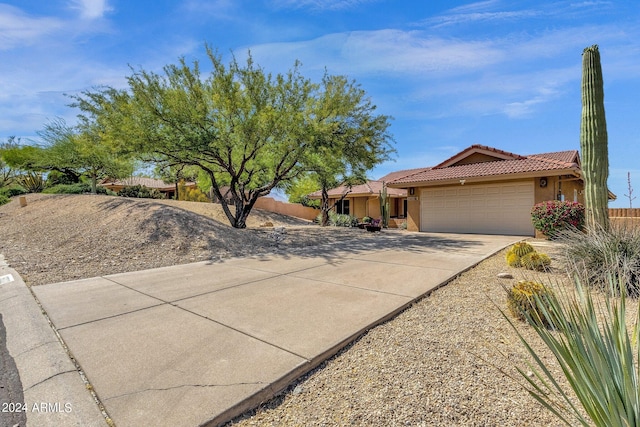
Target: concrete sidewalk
point(201, 343)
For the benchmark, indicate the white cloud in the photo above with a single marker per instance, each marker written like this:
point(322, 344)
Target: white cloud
point(91, 9)
point(383, 51)
point(320, 4)
point(19, 29)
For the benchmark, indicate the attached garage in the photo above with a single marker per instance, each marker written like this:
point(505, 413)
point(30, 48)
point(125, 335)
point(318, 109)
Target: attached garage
point(502, 208)
point(484, 190)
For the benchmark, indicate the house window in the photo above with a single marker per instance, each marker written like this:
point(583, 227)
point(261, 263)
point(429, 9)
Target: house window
point(342, 207)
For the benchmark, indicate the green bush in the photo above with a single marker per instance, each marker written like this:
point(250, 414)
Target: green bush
point(12, 191)
point(601, 255)
point(552, 216)
point(366, 220)
point(4, 199)
point(528, 300)
point(339, 220)
point(78, 188)
point(141, 191)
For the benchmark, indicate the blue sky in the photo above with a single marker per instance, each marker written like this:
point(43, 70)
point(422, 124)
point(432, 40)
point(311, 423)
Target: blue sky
point(451, 73)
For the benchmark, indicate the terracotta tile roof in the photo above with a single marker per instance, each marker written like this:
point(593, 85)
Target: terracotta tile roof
point(369, 188)
point(505, 155)
point(547, 162)
point(392, 176)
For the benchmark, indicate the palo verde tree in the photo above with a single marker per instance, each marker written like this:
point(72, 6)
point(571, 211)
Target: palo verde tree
point(241, 125)
point(349, 139)
point(81, 151)
point(593, 141)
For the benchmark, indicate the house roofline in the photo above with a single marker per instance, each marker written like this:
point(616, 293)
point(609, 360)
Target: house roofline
point(488, 178)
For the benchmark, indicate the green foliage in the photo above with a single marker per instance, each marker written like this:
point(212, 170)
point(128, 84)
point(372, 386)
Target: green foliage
point(33, 182)
point(244, 127)
point(78, 188)
point(339, 220)
point(12, 191)
point(535, 261)
point(191, 194)
point(552, 216)
point(597, 353)
point(56, 177)
point(4, 199)
point(299, 188)
point(594, 140)
point(140, 191)
point(528, 300)
point(366, 220)
point(600, 255)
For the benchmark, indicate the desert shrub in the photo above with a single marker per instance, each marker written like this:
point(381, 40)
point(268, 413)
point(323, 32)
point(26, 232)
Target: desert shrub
point(141, 191)
point(339, 220)
point(597, 351)
point(342, 220)
point(535, 261)
point(366, 220)
point(4, 199)
point(12, 191)
point(77, 188)
point(32, 182)
point(191, 194)
point(528, 301)
point(552, 216)
point(601, 255)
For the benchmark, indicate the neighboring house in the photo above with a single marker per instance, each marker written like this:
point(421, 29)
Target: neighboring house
point(364, 199)
point(488, 191)
point(169, 190)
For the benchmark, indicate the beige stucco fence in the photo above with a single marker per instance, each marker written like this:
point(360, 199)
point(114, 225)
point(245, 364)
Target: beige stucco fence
point(292, 209)
point(625, 216)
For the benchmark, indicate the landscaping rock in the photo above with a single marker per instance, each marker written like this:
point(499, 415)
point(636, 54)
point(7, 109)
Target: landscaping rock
point(505, 276)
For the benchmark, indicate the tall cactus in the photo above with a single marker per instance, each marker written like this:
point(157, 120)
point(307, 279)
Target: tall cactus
point(384, 205)
point(593, 140)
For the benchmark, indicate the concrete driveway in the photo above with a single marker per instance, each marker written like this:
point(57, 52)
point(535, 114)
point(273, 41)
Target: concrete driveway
point(201, 343)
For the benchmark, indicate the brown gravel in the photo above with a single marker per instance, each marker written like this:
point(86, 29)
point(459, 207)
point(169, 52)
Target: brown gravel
point(445, 361)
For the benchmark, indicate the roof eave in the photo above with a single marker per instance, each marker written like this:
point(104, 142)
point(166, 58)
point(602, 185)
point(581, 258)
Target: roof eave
point(488, 178)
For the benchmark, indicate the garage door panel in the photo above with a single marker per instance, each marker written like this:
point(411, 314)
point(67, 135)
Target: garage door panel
point(483, 209)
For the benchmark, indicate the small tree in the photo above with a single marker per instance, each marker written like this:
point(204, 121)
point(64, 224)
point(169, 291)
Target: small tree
point(242, 126)
point(593, 141)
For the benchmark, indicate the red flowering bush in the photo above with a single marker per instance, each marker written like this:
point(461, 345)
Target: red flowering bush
point(551, 216)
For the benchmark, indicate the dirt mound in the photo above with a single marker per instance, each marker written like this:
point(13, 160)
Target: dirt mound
point(65, 237)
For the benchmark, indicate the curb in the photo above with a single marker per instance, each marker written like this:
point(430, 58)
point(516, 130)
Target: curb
point(54, 393)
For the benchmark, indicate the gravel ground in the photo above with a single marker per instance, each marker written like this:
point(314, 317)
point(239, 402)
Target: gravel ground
point(439, 363)
point(445, 361)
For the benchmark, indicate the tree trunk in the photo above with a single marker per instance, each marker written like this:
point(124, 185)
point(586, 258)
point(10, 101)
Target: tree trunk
point(593, 141)
point(324, 207)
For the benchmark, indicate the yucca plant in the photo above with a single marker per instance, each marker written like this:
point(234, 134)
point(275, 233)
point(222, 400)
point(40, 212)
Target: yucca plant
point(33, 182)
point(597, 353)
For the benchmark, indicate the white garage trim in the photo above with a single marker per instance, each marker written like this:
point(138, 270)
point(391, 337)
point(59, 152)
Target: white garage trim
point(503, 208)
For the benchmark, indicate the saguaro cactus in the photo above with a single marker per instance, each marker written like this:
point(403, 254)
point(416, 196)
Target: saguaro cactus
point(384, 206)
point(593, 140)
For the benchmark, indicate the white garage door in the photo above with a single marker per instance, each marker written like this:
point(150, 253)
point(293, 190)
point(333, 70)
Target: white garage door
point(482, 209)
